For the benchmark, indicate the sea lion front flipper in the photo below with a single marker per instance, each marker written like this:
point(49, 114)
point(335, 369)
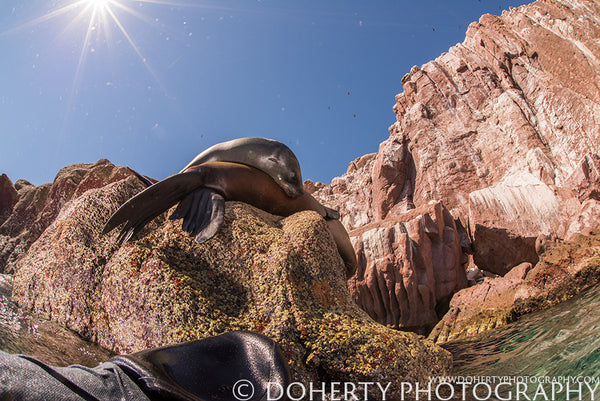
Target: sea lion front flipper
point(331, 214)
point(202, 212)
point(151, 202)
point(344, 246)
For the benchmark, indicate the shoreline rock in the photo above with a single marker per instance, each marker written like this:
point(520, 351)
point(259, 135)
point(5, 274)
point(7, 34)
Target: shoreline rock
point(564, 270)
point(279, 277)
point(37, 206)
point(409, 266)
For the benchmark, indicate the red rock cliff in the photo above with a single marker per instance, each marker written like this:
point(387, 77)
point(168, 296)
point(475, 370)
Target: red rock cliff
point(503, 129)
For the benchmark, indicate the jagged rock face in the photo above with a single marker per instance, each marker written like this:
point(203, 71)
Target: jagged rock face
point(279, 276)
point(408, 267)
point(36, 207)
point(564, 270)
point(519, 96)
point(8, 197)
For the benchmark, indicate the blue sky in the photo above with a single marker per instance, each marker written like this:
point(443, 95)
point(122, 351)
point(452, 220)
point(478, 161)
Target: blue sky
point(151, 84)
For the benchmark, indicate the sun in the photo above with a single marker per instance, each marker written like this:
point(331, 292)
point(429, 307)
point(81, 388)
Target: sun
point(97, 17)
point(99, 4)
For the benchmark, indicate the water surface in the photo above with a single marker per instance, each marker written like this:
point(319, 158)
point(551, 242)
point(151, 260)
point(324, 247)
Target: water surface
point(22, 333)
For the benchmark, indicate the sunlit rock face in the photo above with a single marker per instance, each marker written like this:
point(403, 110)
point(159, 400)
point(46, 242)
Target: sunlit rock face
point(28, 209)
point(502, 129)
point(565, 269)
point(409, 266)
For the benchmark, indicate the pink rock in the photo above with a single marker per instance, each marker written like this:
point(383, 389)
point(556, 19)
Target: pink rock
point(564, 270)
point(514, 99)
point(409, 266)
point(37, 207)
point(588, 219)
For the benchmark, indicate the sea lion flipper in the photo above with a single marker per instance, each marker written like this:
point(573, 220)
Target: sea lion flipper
point(147, 181)
point(344, 246)
point(216, 219)
point(151, 202)
point(331, 214)
point(202, 213)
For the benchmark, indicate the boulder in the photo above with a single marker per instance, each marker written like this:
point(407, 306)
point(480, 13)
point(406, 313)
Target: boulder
point(282, 277)
point(37, 207)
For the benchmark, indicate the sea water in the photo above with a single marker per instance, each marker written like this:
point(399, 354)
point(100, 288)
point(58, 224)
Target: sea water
point(22, 333)
point(558, 345)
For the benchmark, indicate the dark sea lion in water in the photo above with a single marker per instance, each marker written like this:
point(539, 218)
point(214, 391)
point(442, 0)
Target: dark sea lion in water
point(268, 155)
point(202, 191)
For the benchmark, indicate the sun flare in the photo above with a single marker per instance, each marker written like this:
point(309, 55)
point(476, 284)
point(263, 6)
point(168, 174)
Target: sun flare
point(96, 20)
point(99, 4)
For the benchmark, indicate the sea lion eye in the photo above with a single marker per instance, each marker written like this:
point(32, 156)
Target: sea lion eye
point(274, 160)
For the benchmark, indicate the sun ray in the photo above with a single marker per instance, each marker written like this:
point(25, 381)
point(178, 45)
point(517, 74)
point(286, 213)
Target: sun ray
point(98, 17)
point(135, 13)
point(169, 3)
point(135, 48)
point(74, 22)
point(80, 64)
point(46, 17)
point(146, 19)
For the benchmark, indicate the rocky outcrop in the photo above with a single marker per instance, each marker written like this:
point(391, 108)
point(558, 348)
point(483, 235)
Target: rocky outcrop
point(502, 129)
point(8, 197)
point(564, 270)
point(505, 220)
point(37, 206)
point(279, 276)
point(409, 267)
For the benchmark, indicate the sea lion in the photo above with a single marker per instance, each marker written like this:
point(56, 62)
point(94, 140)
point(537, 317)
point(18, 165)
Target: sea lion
point(268, 155)
point(202, 191)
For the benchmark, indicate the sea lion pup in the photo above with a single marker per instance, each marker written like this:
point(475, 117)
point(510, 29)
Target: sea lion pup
point(201, 192)
point(268, 155)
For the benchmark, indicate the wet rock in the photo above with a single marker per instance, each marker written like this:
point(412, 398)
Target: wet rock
point(564, 270)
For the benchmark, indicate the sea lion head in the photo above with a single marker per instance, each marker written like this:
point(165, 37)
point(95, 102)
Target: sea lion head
point(281, 164)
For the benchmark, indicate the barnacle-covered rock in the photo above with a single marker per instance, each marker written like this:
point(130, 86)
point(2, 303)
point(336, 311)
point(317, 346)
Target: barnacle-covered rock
point(282, 277)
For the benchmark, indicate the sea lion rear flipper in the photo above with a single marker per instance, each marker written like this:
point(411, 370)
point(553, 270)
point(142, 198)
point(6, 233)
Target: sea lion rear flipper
point(151, 202)
point(202, 212)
